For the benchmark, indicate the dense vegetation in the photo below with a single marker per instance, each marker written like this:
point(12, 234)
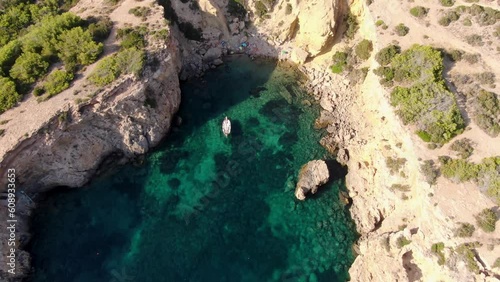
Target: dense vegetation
point(484, 16)
point(421, 98)
point(352, 26)
point(35, 36)
point(339, 62)
point(485, 174)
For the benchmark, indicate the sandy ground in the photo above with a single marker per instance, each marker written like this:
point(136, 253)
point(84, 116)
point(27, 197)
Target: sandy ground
point(450, 201)
point(25, 119)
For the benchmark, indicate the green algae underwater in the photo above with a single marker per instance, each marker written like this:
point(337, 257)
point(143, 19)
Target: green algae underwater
point(203, 207)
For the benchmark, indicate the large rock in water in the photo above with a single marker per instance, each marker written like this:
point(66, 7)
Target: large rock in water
point(311, 176)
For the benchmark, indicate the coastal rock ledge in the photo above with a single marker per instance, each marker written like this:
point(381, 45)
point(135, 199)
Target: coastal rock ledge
point(311, 176)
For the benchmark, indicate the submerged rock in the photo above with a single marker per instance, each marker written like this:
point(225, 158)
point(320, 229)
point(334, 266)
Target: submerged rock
point(311, 176)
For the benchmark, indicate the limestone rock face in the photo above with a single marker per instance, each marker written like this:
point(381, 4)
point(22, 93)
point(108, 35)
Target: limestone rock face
point(125, 121)
point(311, 176)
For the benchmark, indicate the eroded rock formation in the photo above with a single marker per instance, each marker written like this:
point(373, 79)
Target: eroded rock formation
point(311, 176)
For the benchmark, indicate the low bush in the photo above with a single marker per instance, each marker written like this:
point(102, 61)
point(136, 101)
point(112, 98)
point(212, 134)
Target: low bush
point(485, 77)
point(471, 58)
point(448, 18)
point(455, 55)
point(260, 8)
point(364, 49)
point(496, 264)
point(379, 22)
point(486, 220)
point(395, 164)
point(57, 81)
point(467, 22)
point(385, 55)
point(402, 241)
point(131, 38)
point(447, 3)
point(140, 12)
point(466, 253)
point(465, 230)
point(339, 61)
point(100, 29)
point(419, 11)
point(401, 29)
point(463, 147)
point(128, 61)
point(438, 250)
point(486, 114)
point(352, 26)
point(429, 171)
point(288, 9)
point(474, 40)
point(8, 94)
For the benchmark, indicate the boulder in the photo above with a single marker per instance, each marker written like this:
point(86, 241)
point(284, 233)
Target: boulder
point(212, 54)
point(311, 176)
point(299, 55)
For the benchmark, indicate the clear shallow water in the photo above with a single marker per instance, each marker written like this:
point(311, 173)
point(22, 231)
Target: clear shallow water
point(203, 207)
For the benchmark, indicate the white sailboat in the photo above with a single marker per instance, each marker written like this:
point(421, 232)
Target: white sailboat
point(226, 126)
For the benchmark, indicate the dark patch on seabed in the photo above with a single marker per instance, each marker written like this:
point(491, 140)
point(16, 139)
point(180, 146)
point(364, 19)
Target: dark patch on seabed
point(204, 207)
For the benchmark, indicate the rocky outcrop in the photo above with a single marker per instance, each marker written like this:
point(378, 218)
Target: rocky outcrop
point(121, 123)
point(311, 176)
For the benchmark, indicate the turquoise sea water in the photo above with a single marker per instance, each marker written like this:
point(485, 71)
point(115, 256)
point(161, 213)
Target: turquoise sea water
point(203, 207)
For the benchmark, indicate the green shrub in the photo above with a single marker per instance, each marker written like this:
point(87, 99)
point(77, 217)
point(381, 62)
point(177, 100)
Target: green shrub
point(486, 220)
point(402, 241)
point(463, 147)
point(8, 94)
point(57, 81)
point(467, 255)
point(450, 17)
point(131, 38)
point(140, 12)
point(106, 71)
point(339, 62)
point(455, 55)
point(474, 40)
point(447, 3)
point(429, 171)
point(128, 61)
point(101, 29)
point(28, 68)
point(386, 73)
point(395, 164)
point(8, 55)
point(352, 26)
point(465, 230)
point(496, 264)
point(260, 8)
point(438, 250)
point(379, 22)
point(38, 91)
point(419, 11)
point(385, 55)
point(77, 47)
point(131, 61)
point(487, 112)
point(364, 49)
point(401, 29)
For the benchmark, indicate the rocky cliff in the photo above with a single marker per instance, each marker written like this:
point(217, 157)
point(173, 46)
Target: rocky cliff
point(117, 125)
